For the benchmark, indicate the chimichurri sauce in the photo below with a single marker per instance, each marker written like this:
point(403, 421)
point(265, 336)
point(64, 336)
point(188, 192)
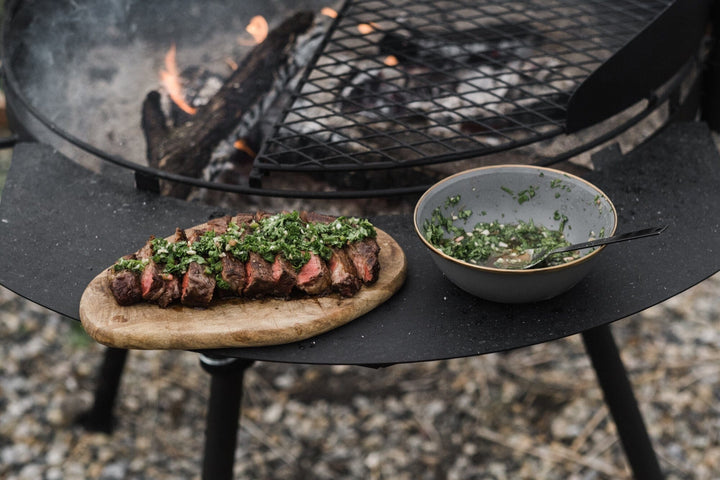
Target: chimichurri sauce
point(492, 244)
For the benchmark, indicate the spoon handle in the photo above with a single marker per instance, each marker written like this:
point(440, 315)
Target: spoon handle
point(645, 232)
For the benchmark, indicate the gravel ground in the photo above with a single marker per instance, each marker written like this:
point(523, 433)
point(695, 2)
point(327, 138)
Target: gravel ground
point(534, 413)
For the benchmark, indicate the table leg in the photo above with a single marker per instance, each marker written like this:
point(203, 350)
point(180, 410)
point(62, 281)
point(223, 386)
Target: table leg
point(620, 399)
point(223, 414)
point(100, 417)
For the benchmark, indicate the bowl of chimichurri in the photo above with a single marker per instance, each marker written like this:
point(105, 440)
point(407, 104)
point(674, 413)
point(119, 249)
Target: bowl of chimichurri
point(480, 225)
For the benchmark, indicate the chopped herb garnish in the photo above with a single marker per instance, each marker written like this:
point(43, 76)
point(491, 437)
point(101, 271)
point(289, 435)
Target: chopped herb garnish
point(490, 243)
point(281, 234)
point(130, 264)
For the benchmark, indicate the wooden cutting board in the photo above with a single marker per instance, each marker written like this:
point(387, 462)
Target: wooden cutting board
point(234, 322)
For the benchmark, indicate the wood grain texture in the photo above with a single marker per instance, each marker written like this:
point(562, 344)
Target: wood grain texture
point(234, 322)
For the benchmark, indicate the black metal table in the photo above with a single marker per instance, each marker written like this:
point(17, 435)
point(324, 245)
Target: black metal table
point(60, 225)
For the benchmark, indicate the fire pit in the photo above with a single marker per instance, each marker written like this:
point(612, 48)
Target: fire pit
point(394, 95)
point(357, 99)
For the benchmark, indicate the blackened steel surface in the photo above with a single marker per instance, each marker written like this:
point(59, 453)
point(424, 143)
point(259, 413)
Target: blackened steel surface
point(471, 78)
point(639, 68)
point(61, 225)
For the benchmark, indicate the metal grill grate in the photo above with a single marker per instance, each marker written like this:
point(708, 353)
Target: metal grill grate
point(401, 83)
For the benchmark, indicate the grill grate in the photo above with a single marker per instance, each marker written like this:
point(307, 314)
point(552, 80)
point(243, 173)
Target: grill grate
point(404, 83)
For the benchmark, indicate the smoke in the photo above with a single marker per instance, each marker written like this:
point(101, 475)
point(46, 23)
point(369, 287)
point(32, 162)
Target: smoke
point(87, 65)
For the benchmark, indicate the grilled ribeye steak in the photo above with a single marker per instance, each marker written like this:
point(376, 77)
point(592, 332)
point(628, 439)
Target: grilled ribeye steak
point(285, 255)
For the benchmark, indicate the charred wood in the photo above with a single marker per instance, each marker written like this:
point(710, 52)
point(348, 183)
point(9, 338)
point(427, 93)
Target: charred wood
point(186, 149)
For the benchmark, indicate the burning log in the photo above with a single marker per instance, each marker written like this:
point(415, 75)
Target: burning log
point(185, 149)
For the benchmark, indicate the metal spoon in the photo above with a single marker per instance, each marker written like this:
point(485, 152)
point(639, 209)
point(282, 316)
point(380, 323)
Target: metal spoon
point(541, 254)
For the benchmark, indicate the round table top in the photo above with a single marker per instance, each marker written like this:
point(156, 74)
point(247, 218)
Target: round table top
point(59, 227)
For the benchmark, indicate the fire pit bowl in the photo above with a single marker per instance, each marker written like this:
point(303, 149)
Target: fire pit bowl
point(511, 194)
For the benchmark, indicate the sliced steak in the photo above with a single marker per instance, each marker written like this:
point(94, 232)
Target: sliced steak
point(152, 283)
point(171, 291)
point(243, 219)
point(179, 235)
point(314, 277)
point(233, 272)
point(284, 277)
point(260, 280)
point(197, 286)
point(314, 217)
point(146, 252)
point(344, 277)
point(217, 225)
point(125, 287)
point(364, 255)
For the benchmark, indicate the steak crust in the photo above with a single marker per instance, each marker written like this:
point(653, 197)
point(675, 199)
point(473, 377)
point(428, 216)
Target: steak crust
point(259, 276)
point(364, 255)
point(197, 286)
point(125, 287)
point(344, 273)
point(344, 277)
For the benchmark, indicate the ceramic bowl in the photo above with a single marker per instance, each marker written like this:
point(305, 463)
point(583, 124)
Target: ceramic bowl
point(512, 193)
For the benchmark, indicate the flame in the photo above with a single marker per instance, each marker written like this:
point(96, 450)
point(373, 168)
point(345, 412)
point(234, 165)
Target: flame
point(242, 145)
point(329, 12)
point(170, 78)
point(258, 28)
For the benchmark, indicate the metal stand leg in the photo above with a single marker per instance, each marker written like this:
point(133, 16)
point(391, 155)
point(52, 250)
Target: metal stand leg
point(223, 415)
point(617, 390)
point(100, 417)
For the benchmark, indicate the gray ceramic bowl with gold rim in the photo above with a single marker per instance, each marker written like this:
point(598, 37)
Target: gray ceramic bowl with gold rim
point(513, 193)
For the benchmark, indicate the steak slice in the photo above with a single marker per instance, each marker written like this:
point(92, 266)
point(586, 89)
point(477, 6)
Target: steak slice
point(146, 252)
point(179, 235)
point(217, 225)
point(171, 291)
point(314, 217)
point(197, 286)
point(314, 277)
point(125, 287)
point(364, 255)
point(344, 277)
point(243, 219)
point(152, 283)
point(284, 277)
point(259, 272)
point(233, 272)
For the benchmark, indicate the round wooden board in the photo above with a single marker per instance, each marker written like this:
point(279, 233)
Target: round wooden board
point(234, 322)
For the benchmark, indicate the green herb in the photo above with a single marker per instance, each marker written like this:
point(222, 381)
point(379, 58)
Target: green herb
point(522, 196)
point(562, 218)
point(282, 234)
point(451, 201)
point(128, 264)
point(488, 243)
point(526, 195)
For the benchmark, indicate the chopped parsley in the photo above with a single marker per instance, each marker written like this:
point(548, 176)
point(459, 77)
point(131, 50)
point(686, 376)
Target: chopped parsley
point(490, 243)
point(523, 195)
point(130, 264)
point(281, 234)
